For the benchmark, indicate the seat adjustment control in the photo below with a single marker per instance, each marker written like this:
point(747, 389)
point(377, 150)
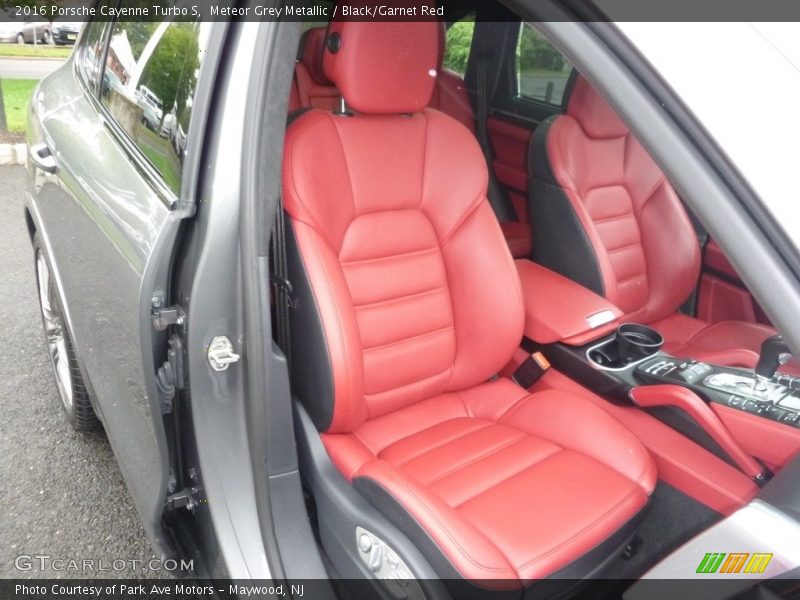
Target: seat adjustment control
point(385, 564)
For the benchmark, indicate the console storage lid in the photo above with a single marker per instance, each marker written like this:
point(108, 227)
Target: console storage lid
point(559, 310)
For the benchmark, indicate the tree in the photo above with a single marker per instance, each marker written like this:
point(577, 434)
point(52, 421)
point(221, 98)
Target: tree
point(171, 72)
point(537, 54)
point(459, 40)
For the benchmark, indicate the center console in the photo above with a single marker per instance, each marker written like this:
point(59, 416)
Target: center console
point(777, 399)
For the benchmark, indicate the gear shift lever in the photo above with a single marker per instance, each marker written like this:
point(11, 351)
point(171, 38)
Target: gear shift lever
point(774, 353)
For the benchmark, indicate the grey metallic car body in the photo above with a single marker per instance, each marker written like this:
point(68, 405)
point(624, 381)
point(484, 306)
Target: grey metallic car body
point(122, 247)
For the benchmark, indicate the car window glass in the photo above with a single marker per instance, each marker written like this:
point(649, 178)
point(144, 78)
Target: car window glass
point(148, 85)
point(93, 46)
point(542, 71)
point(457, 44)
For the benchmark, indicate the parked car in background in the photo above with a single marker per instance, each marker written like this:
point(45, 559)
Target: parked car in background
point(168, 125)
point(11, 33)
point(151, 105)
point(37, 31)
point(65, 32)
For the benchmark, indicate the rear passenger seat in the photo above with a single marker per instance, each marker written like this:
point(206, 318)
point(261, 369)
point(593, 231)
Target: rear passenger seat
point(312, 89)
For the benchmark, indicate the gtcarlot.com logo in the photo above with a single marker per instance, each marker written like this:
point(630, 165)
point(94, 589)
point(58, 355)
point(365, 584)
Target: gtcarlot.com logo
point(735, 562)
point(45, 562)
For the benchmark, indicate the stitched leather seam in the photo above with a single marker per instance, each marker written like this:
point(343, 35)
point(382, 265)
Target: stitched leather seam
point(514, 406)
point(486, 454)
point(627, 215)
point(407, 384)
point(409, 459)
point(471, 210)
point(589, 527)
point(446, 532)
point(388, 301)
point(531, 465)
point(625, 247)
point(378, 452)
point(346, 165)
point(632, 277)
point(374, 259)
point(405, 340)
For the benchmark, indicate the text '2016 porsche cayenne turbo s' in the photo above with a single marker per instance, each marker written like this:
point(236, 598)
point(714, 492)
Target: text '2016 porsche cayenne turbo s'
point(494, 304)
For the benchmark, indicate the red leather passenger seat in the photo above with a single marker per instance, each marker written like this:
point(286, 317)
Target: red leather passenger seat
point(408, 305)
point(604, 215)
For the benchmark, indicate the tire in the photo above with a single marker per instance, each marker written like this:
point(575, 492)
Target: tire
point(46, 37)
point(69, 381)
point(20, 38)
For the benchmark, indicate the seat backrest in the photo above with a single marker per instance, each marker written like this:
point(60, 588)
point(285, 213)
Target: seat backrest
point(405, 286)
point(604, 214)
point(314, 89)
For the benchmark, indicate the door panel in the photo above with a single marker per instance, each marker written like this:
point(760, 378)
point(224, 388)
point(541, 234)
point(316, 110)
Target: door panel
point(510, 143)
point(106, 230)
point(723, 295)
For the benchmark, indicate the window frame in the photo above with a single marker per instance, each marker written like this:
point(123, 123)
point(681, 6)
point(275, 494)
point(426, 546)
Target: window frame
point(138, 159)
point(507, 103)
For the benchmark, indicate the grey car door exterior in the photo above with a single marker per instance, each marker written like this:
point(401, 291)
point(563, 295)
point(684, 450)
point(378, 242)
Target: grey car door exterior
point(108, 220)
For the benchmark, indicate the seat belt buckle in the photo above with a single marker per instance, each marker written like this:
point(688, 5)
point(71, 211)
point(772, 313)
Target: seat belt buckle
point(531, 370)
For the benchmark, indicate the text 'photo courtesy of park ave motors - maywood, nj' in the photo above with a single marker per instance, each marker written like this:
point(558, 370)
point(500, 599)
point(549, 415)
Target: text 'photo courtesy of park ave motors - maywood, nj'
point(212, 10)
point(179, 589)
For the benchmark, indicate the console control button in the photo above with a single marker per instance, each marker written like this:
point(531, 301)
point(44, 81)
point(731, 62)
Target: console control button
point(735, 401)
point(694, 372)
point(752, 406)
point(789, 417)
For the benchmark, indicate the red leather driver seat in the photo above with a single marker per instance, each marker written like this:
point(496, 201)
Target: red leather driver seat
point(604, 215)
point(408, 305)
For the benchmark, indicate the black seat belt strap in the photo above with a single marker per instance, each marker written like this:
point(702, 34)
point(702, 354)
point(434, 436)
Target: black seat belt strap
point(282, 287)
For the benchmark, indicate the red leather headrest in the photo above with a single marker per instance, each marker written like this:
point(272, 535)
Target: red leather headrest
point(383, 67)
point(312, 54)
point(594, 114)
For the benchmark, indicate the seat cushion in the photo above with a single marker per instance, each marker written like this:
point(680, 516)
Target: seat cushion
point(509, 485)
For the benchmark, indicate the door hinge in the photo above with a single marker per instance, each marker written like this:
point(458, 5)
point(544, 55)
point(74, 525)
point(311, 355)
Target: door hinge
point(187, 498)
point(164, 317)
point(169, 377)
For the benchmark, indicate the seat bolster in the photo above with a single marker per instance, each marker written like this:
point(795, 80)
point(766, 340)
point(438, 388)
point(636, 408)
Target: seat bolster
point(576, 424)
point(469, 551)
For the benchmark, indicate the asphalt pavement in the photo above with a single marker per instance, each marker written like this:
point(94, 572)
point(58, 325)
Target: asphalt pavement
point(24, 68)
point(61, 492)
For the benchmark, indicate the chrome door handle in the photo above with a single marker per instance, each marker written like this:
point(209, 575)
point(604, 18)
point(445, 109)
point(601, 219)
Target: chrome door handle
point(42, 157)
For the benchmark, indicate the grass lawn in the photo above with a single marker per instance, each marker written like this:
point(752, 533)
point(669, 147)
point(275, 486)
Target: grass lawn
point(159, 151)
point(16, 98)
point(31, 51)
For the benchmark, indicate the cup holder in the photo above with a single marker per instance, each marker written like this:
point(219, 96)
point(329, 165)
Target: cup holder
point(632, 342)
